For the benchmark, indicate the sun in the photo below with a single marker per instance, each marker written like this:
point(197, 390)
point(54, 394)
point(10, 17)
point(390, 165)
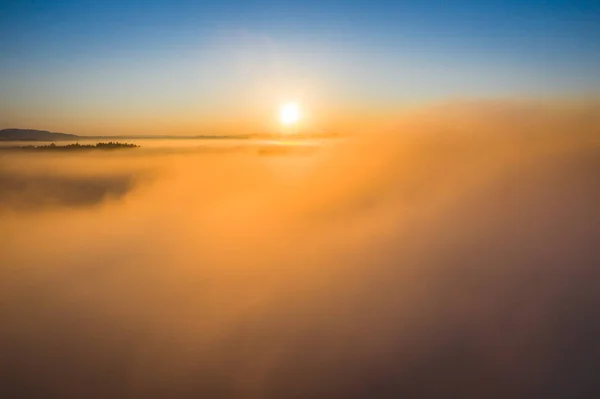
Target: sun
point(290, 114)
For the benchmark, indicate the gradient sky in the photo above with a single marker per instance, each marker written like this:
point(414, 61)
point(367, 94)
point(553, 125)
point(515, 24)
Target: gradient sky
point(200, 67)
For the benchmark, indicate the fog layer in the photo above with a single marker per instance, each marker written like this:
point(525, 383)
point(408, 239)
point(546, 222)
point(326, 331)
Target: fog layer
point(453, 254)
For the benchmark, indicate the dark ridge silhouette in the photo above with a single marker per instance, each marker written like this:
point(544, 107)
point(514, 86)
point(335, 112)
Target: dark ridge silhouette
point(33, 135)
point(76, 146)
point(44, 135)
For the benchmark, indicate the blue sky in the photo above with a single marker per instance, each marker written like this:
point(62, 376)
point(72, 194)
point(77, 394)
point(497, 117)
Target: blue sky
point(93, 65)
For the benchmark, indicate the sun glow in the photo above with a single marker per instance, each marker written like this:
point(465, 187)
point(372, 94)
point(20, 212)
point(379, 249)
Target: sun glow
point(290, 114)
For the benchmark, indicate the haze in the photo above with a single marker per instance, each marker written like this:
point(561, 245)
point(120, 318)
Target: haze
point(405, 204)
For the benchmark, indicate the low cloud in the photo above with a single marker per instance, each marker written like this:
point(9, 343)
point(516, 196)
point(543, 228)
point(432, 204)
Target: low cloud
point(451, 255)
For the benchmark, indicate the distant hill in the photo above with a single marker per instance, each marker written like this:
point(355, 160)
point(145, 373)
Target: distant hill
point(34, 135)
point(44, 135)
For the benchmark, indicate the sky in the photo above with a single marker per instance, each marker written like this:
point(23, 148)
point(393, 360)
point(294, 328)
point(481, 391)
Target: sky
point(224, 67)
